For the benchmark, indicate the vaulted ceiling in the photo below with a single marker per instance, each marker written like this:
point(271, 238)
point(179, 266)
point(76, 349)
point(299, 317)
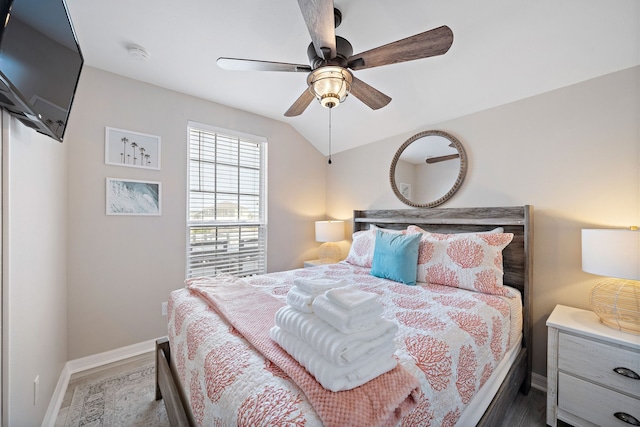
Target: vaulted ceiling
point(503, 51)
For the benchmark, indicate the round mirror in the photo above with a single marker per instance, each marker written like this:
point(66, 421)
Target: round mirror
point(428, 169)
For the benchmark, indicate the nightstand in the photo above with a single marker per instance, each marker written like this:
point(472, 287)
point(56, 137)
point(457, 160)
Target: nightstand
point(316, 262)
point(592, 371)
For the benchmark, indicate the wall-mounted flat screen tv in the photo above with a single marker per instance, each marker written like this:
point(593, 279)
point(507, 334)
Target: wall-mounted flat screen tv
point(40, 63)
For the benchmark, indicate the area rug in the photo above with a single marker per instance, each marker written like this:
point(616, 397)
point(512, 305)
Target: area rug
point(125, 399)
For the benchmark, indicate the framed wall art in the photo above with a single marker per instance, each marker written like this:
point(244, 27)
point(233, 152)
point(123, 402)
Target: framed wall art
point(131, 149)
point(405, 190)
point(133, 197)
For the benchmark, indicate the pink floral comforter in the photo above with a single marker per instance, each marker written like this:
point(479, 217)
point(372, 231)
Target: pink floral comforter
point(450, 339)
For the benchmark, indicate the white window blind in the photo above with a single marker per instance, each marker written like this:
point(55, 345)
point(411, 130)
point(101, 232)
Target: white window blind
point(227, 203)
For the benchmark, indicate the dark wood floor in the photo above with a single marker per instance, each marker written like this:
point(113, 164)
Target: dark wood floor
point(527, 411)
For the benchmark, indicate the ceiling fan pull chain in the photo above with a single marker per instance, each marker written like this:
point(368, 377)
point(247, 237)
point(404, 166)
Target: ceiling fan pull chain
point(329, 162)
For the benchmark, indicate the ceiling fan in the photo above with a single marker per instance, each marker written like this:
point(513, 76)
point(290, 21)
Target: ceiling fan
point(438, 159)
point(331, 59)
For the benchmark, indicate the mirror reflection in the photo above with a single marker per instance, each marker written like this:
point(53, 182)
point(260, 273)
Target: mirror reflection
point(428, 169)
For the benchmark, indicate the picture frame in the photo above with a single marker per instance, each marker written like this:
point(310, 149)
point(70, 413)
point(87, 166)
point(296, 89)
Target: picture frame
point(405, 190)
point(133, 197)
point(131, 149)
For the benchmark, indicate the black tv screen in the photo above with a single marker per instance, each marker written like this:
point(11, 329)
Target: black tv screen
point(40, 63)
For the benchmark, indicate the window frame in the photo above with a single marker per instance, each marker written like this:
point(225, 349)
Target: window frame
point(261, 223)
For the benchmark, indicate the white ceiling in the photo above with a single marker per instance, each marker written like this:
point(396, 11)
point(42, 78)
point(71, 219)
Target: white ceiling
point(503, 50)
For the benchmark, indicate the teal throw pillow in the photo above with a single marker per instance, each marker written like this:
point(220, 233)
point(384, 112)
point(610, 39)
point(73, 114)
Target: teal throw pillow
point(395, 257)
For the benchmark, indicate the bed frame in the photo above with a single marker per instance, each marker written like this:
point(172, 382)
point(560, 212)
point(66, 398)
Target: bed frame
point(518, 267)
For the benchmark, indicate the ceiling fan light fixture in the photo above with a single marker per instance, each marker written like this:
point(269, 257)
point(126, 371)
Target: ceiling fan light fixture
point(330, 85)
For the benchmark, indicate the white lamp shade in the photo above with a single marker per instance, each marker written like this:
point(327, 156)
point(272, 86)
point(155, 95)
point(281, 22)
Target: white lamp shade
point(329, 231)
point(611, 253)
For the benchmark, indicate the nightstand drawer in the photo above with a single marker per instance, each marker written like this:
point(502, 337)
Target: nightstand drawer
point(596, 361)
point(594, 403)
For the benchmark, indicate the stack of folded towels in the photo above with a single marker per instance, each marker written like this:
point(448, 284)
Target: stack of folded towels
point(337, 333)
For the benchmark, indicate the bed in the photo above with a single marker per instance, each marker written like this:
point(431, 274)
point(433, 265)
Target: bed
point(481, 401)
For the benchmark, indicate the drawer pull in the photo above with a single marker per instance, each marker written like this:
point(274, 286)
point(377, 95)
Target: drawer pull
point(629, 419)
point(625, 372)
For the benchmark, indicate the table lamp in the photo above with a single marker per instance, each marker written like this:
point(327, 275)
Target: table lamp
point(614, 253)
point(329, 232)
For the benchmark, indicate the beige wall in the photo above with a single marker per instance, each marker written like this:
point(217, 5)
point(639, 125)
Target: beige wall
point(121, 268)
point(574, 154)
point(34, 270)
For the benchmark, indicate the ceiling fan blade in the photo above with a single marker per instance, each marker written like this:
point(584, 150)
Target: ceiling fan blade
point(301, 104)
point(237, 64)
point(318, 15)
point(430, 43)
point(370, 96)
point(442, 158)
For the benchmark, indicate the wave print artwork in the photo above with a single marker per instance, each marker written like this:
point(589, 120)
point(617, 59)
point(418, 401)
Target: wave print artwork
point(131, 197)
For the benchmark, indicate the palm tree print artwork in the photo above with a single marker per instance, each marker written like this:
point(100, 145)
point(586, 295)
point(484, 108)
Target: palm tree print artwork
point(132, 149)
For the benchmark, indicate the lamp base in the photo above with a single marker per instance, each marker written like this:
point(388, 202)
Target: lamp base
point(329, 252)
point(617, 304)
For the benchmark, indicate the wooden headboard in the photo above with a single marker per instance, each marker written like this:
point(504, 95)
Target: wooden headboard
point(517, 256)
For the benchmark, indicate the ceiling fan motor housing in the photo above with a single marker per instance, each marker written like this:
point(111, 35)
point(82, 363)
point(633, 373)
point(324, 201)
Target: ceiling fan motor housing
point(344, 50)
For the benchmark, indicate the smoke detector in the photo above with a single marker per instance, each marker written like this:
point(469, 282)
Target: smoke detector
point(138, 52)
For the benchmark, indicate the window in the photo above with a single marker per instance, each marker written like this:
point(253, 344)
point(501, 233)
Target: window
point(227, 203)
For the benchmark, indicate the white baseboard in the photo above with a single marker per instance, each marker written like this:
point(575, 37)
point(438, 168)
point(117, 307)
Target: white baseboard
point(89, 362)
point(56, 400)
point(95, 360)
point(539, 382)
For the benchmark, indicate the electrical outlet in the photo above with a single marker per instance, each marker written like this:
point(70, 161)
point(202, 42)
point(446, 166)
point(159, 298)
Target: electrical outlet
point(164, 308)
point(36, 389)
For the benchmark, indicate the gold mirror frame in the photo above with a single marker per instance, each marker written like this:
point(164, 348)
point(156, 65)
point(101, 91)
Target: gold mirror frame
point(461, 174)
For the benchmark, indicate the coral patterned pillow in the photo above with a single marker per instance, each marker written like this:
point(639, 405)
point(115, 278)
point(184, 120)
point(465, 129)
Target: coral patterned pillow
point(363, 245)
point(470, 261)
point(361, 250)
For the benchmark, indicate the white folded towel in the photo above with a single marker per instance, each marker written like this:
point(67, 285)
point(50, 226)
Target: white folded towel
point(318, 286)
point(342, 319)
point(335, 346)
point(353, 299)
point(329, 375)
point(300, 300)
